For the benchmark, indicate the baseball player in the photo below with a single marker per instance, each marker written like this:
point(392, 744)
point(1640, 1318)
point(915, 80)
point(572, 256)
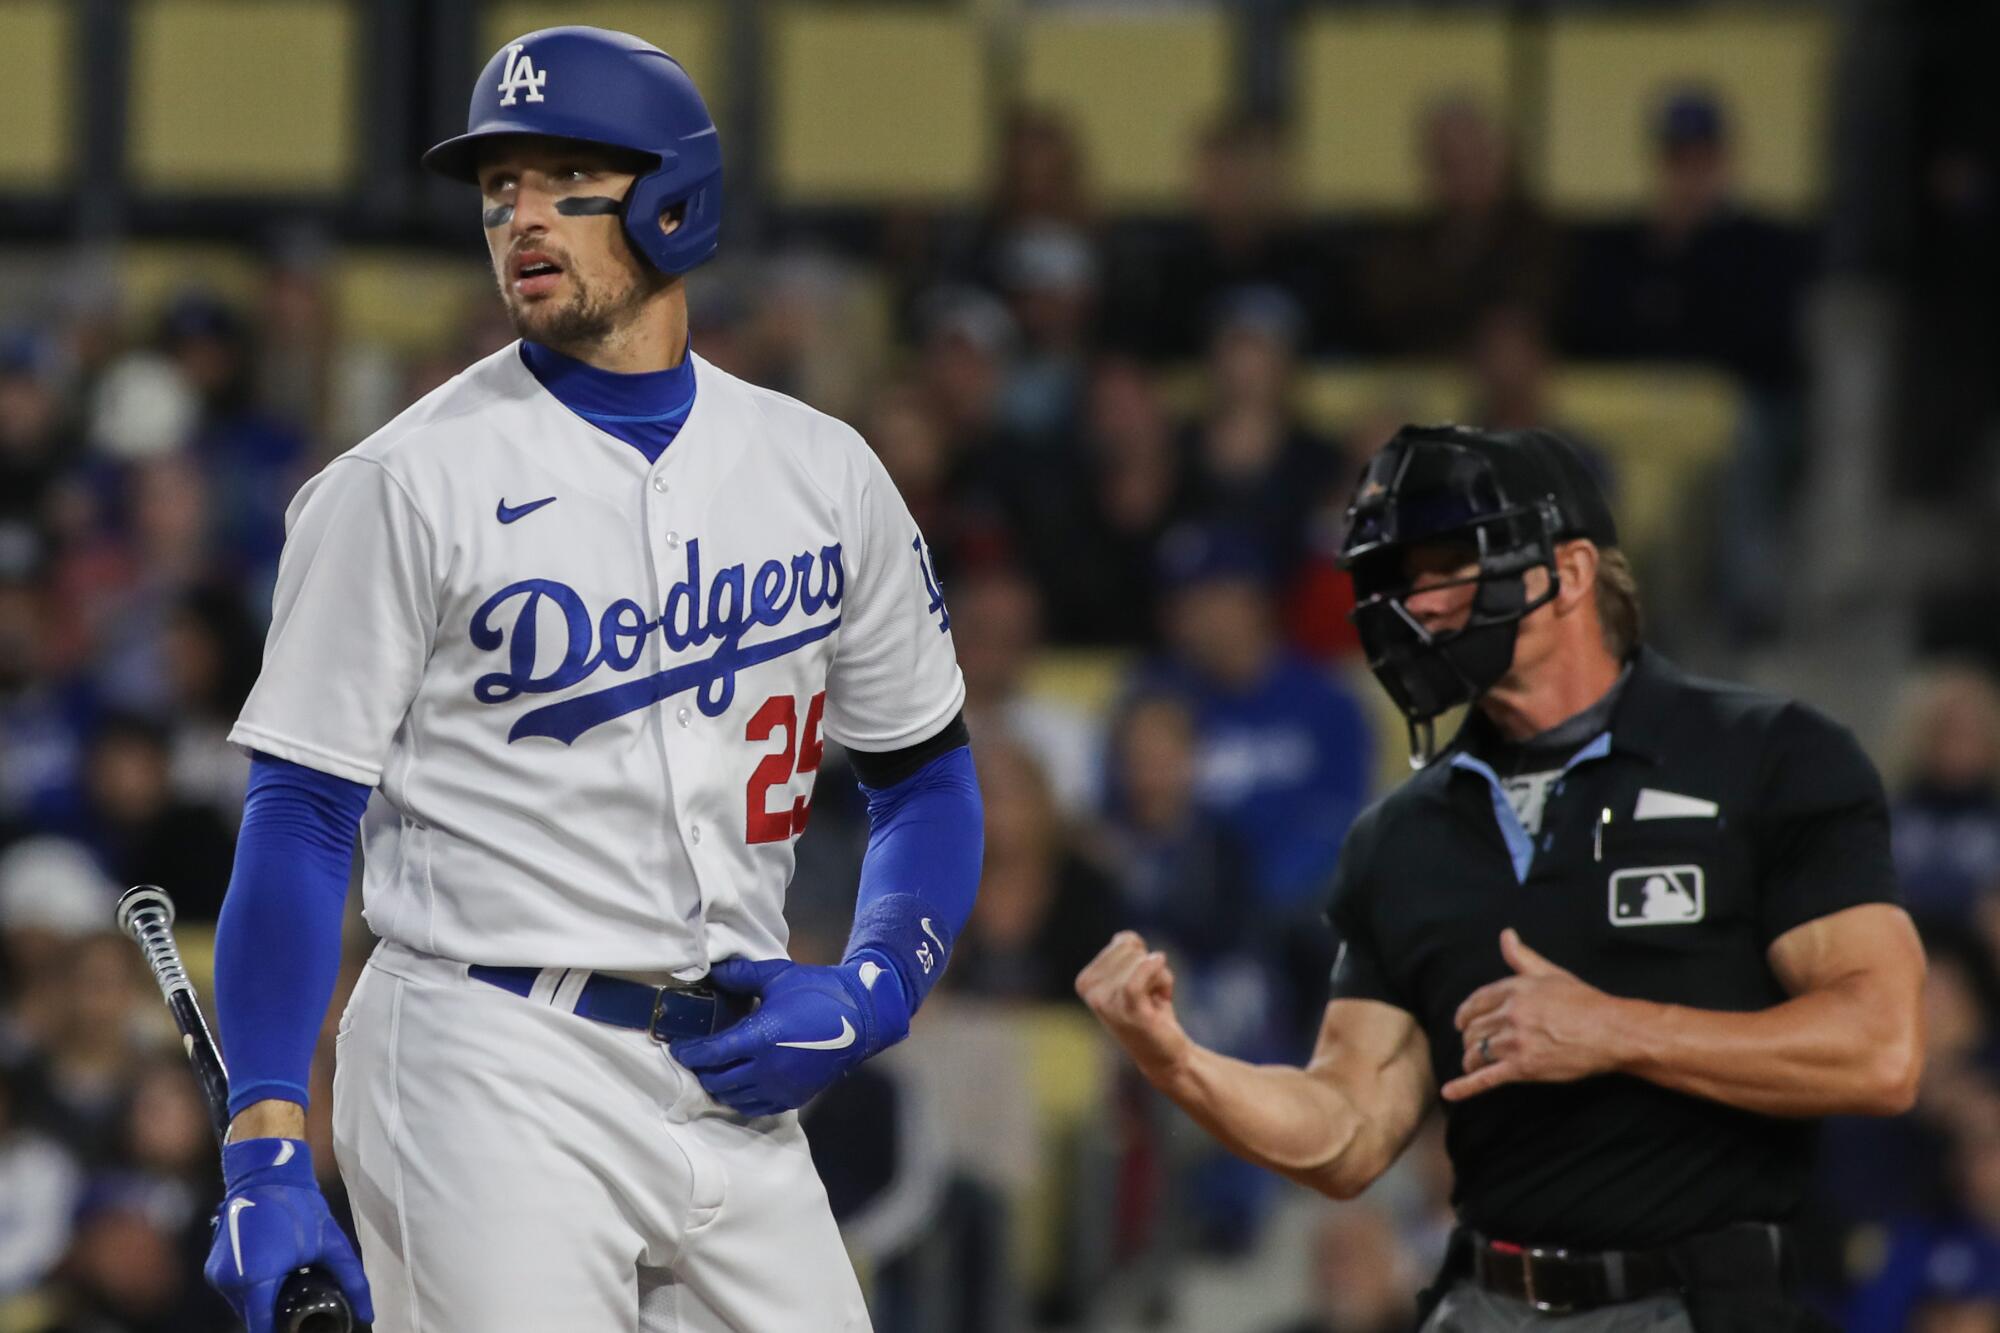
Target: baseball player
point(585, 616)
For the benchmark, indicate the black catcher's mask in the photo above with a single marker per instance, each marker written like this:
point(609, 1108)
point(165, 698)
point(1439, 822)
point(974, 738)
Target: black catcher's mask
point(1506, 499)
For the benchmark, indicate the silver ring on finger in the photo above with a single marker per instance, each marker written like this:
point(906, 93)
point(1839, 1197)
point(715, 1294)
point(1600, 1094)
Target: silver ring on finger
point(1486, 1050)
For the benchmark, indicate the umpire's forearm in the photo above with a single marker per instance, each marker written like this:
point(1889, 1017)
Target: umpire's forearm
point(1839, 1050)
point(1280, 1117)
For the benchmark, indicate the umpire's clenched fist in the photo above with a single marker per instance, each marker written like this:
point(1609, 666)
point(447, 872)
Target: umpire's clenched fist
point(1132, 993)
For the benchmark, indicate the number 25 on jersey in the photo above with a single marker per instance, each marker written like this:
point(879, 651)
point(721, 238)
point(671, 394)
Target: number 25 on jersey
point(781, 712)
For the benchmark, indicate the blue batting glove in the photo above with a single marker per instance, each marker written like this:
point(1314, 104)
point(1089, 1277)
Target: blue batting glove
point(274, 1221)
point(813, 1024)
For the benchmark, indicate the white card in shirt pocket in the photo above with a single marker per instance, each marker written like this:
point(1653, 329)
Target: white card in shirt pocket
point(1656, 804)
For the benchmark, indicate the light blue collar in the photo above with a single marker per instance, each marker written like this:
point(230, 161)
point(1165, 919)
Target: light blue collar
point(1520, 845)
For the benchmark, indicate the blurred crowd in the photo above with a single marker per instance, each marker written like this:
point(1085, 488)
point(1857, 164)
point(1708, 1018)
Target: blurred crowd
point(1096, 421)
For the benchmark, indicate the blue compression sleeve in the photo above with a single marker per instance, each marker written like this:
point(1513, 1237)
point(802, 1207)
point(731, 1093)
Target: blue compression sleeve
point(927, 836)
point(277, 945)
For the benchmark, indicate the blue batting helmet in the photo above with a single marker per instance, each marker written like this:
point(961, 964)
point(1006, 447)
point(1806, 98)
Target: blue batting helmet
point(606, 88)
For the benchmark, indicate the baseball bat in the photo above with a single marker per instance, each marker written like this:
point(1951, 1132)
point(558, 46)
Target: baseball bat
point(309, 1301)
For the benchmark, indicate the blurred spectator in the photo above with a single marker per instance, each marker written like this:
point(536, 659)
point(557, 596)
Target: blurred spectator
point(52, 895)
point(213, 650)
point(1041, 180)
point(1479, 243)
point(1043, 910)
point(1361, 1276)
point(44, 715)
point(36, 445)
point(967, 342)
point(1285, 752)
point(1700, 278)
point(1944, 1272)
point(1507, 362)
point(296, 347)
point(128, 593)
point(92, 1044)
point(907, 432)
point(142, 832)
point(1171, 278)
point(1049, 275)
point(1256, 464)
point(252, 461)
point(1183, 881)
point(1320, 598)
point(125, 1272)
point(39, 1182)
point(1180, 871)
point(997, 628)
point(1087, 528)
point(1946, 815)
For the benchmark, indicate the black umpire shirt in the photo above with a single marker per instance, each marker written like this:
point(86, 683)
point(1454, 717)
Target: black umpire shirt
point(1673, 849)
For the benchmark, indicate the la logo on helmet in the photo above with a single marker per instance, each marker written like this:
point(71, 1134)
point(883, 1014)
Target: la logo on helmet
point(519, 74)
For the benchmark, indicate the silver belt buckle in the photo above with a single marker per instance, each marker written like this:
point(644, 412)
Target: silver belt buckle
point(659, 1004)
point(660, 994)
point(1529, 1256)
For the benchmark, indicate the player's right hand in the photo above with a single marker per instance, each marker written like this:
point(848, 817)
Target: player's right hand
point(1131, 990)
point(274, 1221)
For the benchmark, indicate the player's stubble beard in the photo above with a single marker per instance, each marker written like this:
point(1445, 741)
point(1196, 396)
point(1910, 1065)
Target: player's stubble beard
point(585, 319)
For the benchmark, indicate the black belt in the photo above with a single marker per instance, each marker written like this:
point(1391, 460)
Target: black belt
point(663, 1012)
point(1563, 1281)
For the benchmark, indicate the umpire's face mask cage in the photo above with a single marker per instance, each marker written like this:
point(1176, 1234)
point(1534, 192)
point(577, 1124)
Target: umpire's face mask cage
point(1433, 491)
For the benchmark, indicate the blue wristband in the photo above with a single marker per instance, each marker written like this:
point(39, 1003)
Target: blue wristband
point(249, 1162)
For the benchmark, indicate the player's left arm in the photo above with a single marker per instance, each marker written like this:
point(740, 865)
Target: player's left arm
point(1849, 1040)
point(894, 695)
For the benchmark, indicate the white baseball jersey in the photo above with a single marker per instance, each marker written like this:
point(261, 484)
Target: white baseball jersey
point(594, 689)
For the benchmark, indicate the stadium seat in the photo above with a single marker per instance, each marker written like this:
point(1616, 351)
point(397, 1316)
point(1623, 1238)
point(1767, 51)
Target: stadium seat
point(1363, 80)
point(1138, 88)
point(408, 301)
point(688, 30)
point(873, 104)
point(1665, 427)
point(1607, 77)
point(37, 153)
point(151, 273)
point(1085, 678)
point(203, 119)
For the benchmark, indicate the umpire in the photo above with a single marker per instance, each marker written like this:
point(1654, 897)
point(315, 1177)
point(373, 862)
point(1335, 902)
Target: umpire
point(1635, 928)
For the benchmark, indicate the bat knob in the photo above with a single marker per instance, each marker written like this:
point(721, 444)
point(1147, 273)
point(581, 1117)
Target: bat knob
point(310, 1302)
point(137, 899)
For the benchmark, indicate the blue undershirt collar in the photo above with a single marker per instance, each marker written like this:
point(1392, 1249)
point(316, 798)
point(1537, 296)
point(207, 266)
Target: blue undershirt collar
point(645, 410)
point(1521, 844)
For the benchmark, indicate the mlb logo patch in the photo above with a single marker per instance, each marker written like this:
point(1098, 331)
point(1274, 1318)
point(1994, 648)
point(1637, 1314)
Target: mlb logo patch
point(1658, 896)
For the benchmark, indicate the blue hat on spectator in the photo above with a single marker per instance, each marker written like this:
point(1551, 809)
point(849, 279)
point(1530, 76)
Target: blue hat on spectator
point(1195, 553)
point(1691, 117)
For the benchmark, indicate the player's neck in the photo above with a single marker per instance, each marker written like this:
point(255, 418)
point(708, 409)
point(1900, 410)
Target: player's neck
point(655, 338)
point(1552, 691)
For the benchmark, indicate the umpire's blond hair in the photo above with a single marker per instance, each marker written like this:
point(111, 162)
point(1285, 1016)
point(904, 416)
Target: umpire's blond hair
point(1618, 609)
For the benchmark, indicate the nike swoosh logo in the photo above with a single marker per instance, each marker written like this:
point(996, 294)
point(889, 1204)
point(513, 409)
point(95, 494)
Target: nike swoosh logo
point(285, 1151)
point(508, 513)
point(925, 922)
point(236, 1207)
point(845, 1039)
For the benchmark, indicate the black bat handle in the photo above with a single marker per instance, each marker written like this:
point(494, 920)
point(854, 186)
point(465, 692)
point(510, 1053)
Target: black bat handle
point(310, 1301)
